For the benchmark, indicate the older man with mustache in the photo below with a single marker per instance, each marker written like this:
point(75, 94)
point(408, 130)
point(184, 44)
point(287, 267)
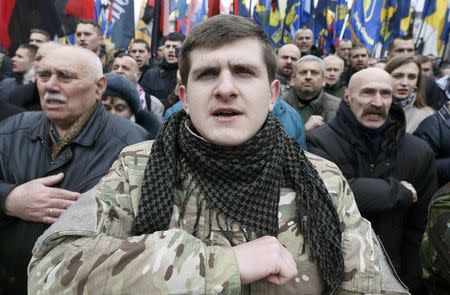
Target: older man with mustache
point(48, 158)
point(391, 173)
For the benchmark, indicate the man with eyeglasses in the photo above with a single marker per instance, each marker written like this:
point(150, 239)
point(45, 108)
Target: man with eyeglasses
point(48, 158)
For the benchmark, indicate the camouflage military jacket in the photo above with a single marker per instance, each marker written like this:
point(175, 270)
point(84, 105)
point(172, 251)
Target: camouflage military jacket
point(89, 250)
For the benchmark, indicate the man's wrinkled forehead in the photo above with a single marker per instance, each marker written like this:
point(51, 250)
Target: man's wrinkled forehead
point(370, 79)
point(62, 63)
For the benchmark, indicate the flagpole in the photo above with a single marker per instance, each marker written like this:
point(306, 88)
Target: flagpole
point(341, 35)
point(250, 14)
point(445, 50)
point(421, 25)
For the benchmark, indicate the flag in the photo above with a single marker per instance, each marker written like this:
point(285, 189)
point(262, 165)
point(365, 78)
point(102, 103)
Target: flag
point(365, 22)
point(213, 7)
point(323, 27)
point(396, 17)
point(267, 15)
point(18, 17)
point(443, 36)
point(156, 32)
point(291, 20)
point(197, 12)
point(305, 13)
point(122, 19)
point(142, 29)
point(83, 9)
point(340, 13)
point(240, 7)
point(406, 16)
point(434, 14)
point(181, 23)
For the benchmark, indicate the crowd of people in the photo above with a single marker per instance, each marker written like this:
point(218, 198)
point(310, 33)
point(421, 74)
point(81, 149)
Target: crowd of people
point(221, 165)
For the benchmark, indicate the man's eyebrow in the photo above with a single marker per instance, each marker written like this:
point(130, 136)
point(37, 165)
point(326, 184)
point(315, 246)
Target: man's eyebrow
point(69, 73)
point(202, 69)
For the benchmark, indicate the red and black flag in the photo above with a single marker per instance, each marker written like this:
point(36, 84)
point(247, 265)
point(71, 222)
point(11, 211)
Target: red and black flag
point(18, 17)
point(57, 17)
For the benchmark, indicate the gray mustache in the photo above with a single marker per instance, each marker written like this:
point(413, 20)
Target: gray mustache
point(55, 96)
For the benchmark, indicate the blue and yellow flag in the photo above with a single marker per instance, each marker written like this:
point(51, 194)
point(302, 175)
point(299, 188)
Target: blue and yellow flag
point(291, 20)
point(324, 23)
point(443, 35)
point(267, 14)
point(434, 13)
point(297, 15)
point(396, 17)
point(339, 14)
point(366, 22)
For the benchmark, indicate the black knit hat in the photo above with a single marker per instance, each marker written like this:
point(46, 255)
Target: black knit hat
point(119, 86)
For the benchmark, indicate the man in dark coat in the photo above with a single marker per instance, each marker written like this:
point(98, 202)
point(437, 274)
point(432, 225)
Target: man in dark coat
point(21, 66)
point(391, 173)
point(48, 158)
point(160, 81)
point(436, 131)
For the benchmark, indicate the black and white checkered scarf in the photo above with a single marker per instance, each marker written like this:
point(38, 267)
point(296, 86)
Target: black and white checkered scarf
point(243, 184)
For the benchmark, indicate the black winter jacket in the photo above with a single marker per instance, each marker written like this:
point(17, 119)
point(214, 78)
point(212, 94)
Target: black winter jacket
point(436, 131)
point(25, 154)
point(375, 177)
point(160, 81)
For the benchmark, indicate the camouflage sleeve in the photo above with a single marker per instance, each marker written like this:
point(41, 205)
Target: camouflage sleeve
point(88, 251)
point(366, 269)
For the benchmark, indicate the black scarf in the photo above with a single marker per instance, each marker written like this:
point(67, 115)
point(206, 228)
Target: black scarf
point(243, 184)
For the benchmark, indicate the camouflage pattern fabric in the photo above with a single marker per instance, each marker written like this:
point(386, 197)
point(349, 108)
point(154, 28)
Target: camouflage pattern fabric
point(435, 251)
point(88, 251)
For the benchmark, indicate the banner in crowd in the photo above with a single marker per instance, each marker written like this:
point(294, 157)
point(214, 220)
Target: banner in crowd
point(368, 22)
point(435, 14)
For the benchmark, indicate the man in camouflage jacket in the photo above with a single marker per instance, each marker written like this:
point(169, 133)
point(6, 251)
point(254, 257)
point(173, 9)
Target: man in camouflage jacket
point(140, 233)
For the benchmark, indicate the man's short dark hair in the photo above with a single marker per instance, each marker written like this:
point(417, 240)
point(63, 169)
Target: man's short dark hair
point(224, 29)
point(423, 59)
point(90, 22)
point(32, 49)
point(356, 47)
point(175, 37)
point(141, 41)
point(42, 32)
point(404, 38)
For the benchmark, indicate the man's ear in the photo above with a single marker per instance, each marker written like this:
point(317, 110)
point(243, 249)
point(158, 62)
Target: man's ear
point(183, 98)
point(347, 96)
point(100, 86)
point(275, 87)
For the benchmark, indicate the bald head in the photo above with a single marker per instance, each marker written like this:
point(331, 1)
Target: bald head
point(127, 66)
point(369, 74)
point(304, 39)
point(70, 83)
point(334, 67)
point(83, 58)
point(44, 50)
point(369, 96)
point(286, 57)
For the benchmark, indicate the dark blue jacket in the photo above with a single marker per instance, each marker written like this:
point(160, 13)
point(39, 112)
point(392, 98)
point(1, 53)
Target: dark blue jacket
point(25, 154)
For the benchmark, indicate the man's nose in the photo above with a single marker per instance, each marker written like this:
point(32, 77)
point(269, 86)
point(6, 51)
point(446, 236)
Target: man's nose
point(377, 100)
point(226, 87)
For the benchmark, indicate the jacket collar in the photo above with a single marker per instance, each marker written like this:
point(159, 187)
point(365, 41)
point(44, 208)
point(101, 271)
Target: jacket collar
point(346, 125)
point(86, 137)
